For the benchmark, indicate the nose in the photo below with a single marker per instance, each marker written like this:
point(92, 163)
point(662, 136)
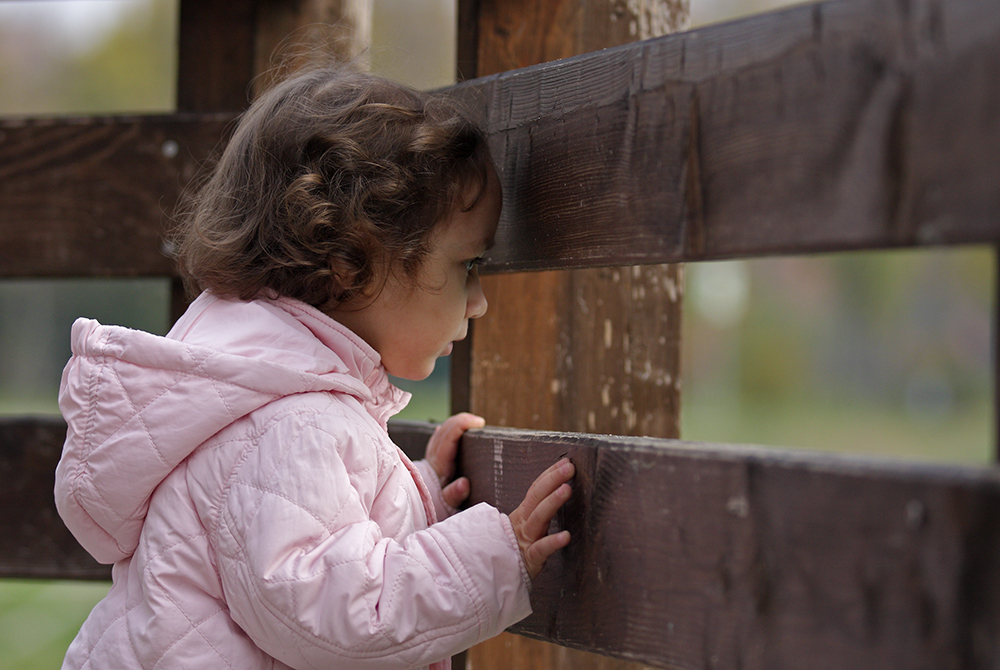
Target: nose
point(476, 304)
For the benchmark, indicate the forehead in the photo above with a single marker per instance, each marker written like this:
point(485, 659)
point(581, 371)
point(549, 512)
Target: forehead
point(472, 231)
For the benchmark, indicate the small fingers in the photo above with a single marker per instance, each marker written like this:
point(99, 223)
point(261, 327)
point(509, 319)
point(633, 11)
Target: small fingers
point(539, 552)
point(456, 492)
point(453, 427)
point(537, 523)
point(443, 444)
point(549, 481)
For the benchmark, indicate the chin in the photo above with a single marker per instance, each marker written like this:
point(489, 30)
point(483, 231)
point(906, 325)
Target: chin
point(414, 375)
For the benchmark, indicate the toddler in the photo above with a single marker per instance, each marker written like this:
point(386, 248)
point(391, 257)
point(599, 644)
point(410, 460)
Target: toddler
point(237, 472)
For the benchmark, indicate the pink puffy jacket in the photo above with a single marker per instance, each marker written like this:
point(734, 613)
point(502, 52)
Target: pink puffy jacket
point(239, 476)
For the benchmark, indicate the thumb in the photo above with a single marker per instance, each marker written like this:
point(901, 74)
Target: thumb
point(456, 492)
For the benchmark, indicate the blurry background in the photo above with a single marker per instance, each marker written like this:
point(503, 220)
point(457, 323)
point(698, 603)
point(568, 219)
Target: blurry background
point(884, 353)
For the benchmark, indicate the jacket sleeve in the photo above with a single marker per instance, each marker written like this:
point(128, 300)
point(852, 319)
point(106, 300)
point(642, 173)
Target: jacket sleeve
point(315, 582)
point(441, 508)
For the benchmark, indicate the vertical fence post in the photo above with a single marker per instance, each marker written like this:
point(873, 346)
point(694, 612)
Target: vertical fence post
point(215, 51)
point(580, 350)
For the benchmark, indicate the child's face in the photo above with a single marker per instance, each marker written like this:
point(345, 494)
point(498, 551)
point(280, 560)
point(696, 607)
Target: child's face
point(411, 326)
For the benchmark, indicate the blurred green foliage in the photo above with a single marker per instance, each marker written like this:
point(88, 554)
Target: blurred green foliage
point(886, 353)
point(68, 57)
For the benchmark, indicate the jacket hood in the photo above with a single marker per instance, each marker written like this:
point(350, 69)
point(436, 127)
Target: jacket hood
point(137, 404)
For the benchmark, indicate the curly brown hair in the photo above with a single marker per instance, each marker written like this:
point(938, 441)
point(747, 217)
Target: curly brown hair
point(332, 180)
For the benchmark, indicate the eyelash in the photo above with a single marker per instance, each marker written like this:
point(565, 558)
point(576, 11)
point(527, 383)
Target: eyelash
point(471, 265)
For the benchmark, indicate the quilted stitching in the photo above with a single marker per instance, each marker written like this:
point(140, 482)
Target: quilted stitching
point(240, 473)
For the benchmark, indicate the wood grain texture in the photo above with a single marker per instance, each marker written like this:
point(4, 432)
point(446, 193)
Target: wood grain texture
point(93, 196)
point(844, 125)
point(586, 349)
point(714, 556)
point(841, 125)
point(686, 555)
point(36, 544)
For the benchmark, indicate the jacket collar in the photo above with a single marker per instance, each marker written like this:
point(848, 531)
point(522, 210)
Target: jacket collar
point(379, 396)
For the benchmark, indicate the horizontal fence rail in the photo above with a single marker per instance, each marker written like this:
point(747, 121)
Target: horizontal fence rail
point(826, 127)
point(720, 556)
point(746, 557)
point(842, 125)
point(93, 196)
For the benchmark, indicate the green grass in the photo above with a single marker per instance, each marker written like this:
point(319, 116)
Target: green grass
point(38, 620)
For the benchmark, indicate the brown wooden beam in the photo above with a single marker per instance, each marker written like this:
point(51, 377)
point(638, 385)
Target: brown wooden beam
point(844, 125)
point(93, 196)
point(717, 556)
point(841, 125)
point(591, 349)
point(687, 555)
point(215, 54)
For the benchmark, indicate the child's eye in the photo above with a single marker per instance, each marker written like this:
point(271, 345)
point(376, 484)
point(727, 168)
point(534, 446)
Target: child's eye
point(472, 265)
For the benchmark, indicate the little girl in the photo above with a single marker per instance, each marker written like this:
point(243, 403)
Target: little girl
point(237, 472)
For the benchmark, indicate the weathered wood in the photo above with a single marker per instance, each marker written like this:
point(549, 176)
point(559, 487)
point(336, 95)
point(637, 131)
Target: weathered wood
point(36, 544)
point(721, 556)
point(579, 350)
point(711, 556)
point(842, 125)
point(92, 196)
point(585, 350)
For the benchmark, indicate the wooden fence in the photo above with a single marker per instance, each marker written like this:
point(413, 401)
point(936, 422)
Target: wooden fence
point(851, 124)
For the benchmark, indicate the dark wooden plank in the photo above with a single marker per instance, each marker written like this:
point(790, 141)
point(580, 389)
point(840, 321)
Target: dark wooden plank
point(215, 54)
point(92, 196)
point(688, 555)
point(842, 125)
point(712, 556)
point(36, 544)
point(849, 124)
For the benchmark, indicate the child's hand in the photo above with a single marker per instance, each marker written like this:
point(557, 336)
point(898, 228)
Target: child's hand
point(531, 519)
point(441, 451)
